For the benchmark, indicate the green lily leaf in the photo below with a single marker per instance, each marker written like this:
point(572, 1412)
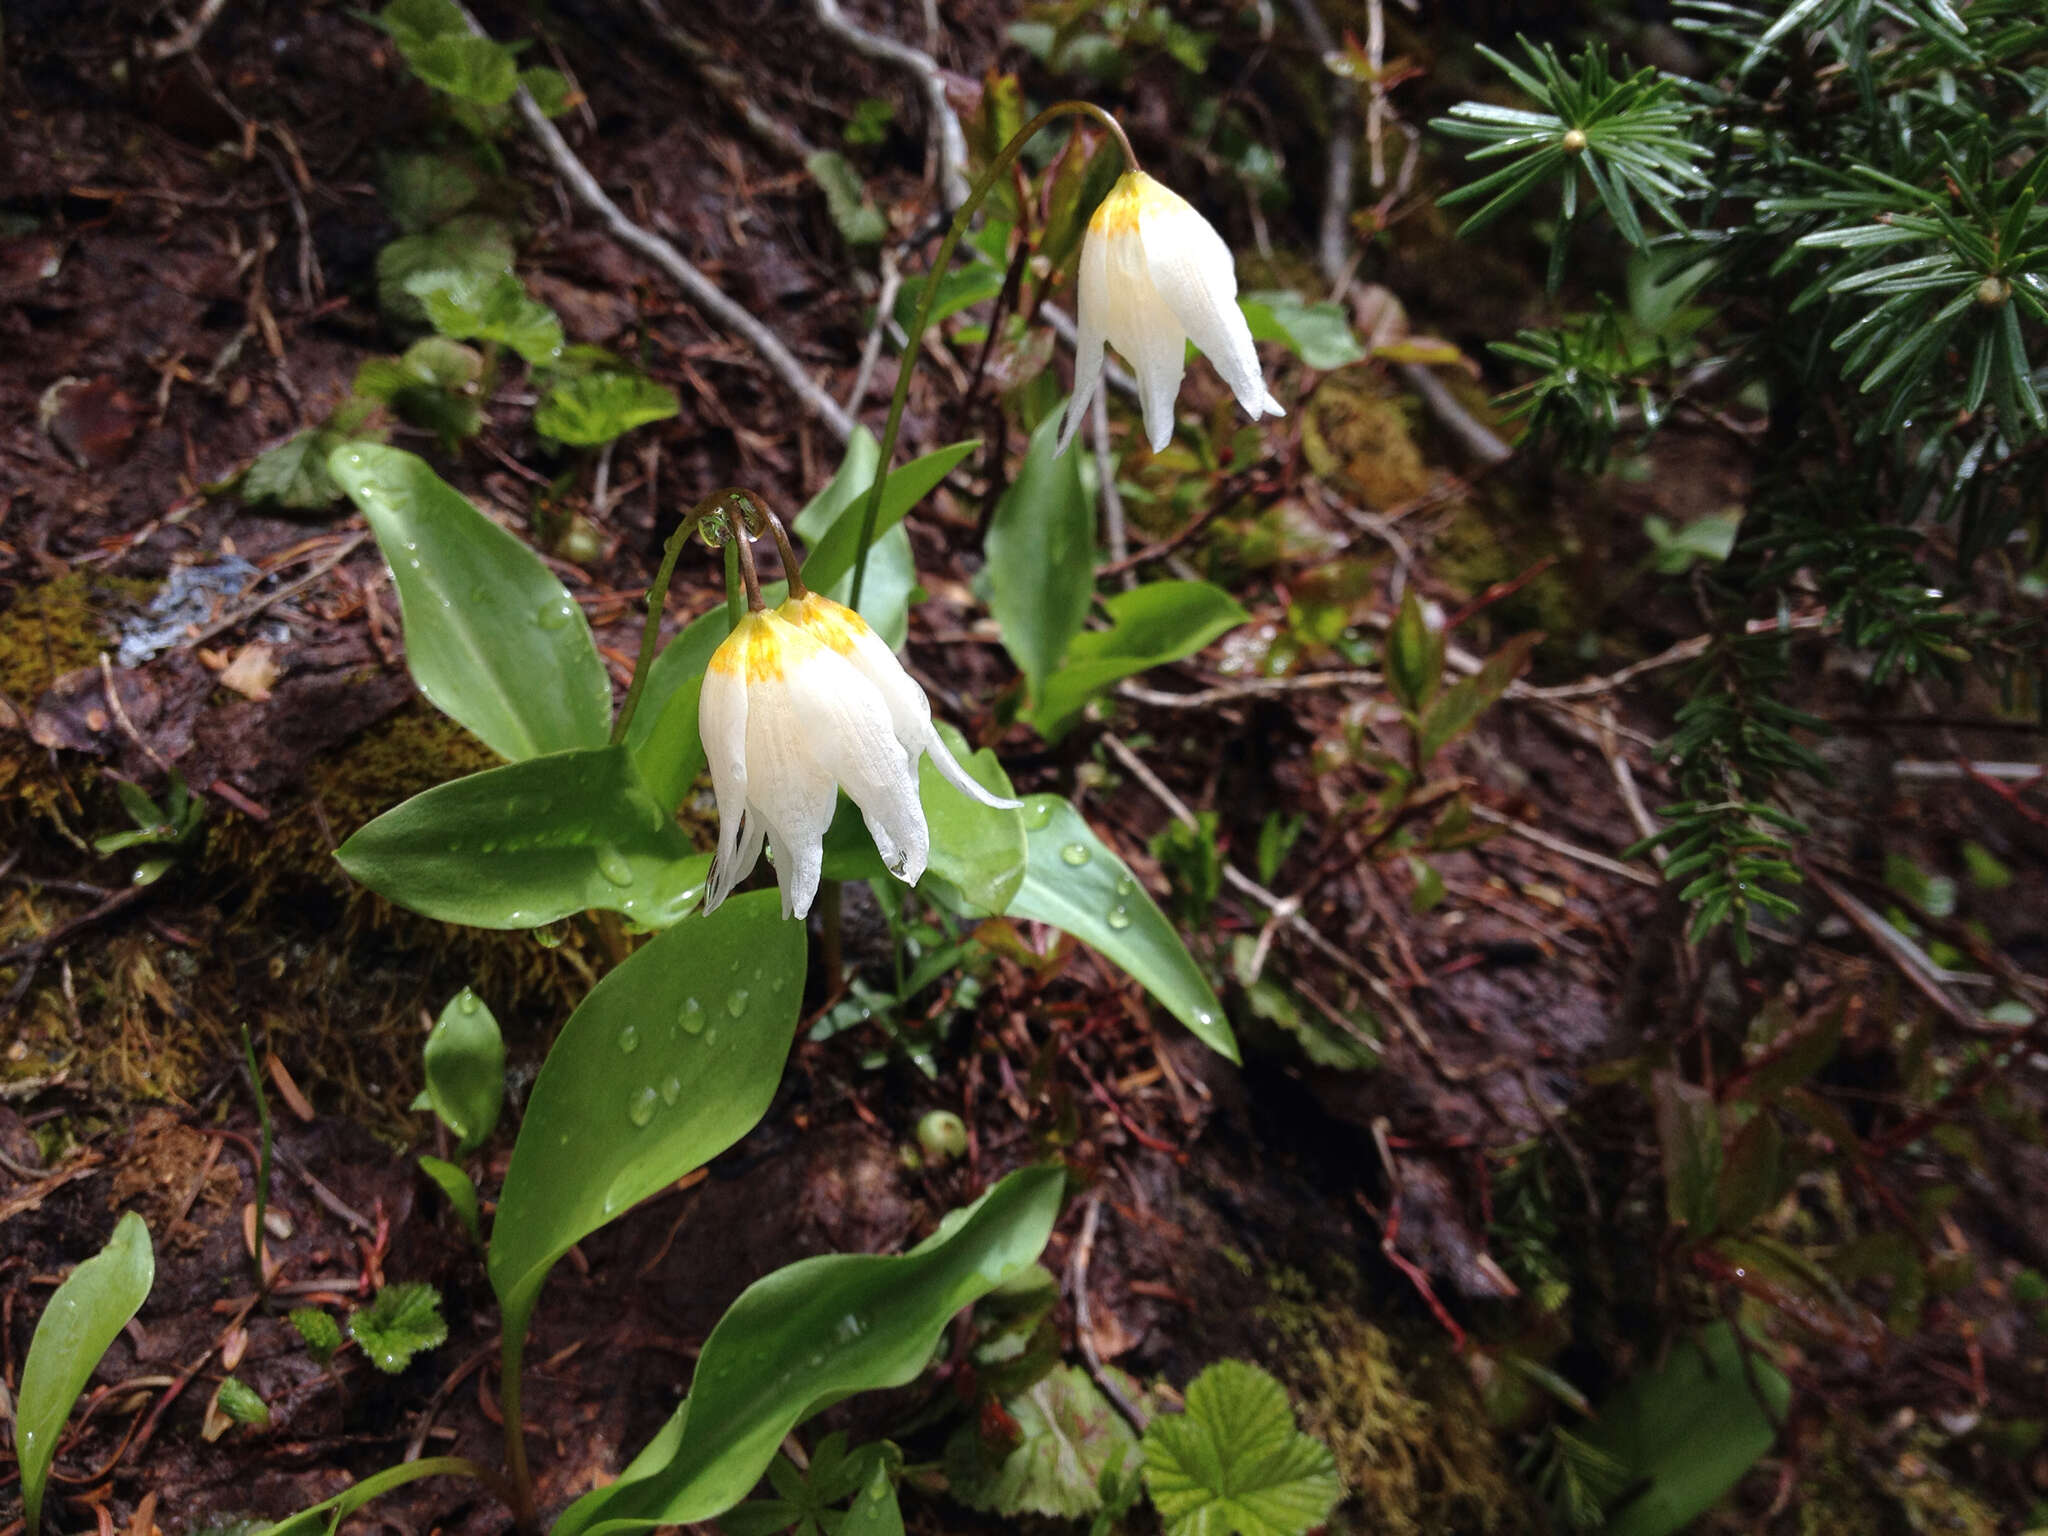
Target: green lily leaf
point(83, 1318)
point(1041, 557)
point(1687, 1431)
point(531, 842)
point(1151, 625)
point(465, 1063)
point(827, 1328)
point(670, 1060)
point(1073, 881)
point(978, 852)
point(325, 1517)
point(492, 638)
point(460, 1189)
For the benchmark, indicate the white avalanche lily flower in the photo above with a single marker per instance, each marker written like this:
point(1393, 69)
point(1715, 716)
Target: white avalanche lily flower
point(1153, 274)
point(797, 705)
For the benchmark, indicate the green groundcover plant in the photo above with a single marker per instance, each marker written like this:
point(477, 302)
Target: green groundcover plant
point(1838, 227)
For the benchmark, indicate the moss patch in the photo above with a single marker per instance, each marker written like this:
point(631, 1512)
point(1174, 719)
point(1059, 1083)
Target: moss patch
point(1411, 1439)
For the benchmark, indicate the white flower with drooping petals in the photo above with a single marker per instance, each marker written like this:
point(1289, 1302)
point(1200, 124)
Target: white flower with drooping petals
point(1154, 273)
point(797, 705)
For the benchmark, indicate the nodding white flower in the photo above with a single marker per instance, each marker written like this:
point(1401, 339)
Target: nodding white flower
point(1153, 274)
point(797, 705)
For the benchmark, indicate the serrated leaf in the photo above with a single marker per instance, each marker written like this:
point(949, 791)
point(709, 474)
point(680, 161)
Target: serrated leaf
point(464, 65)
point(84, 1316)
point(321, 1333)
point(491, 636)
point(598, 407)
point(1234, 1462)
point(1072, 1437)
point(1319, 333)
point(425, 190)
point(468, 243)
point(400, 1321)
point(478, 306)
point(294, 473)
point(860, 221)
point(465, 1066)
point(241, 1402)
point(550, 90)
point(1073, 881)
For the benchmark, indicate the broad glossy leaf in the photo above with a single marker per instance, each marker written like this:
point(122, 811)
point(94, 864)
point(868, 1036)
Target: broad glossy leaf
point(531, 842)
point(1689, 1429)
point(670, 1060)
point(671, 756)
point(1234, 1461)
point(1073, 881)
point(827, 568)
point(978, 852)
point(598, 407)
point(1041, 557)
point(85, 1314)
point(892, 571)
point(493, 640)
point(469, 242)
point(1151, 625)
point(809, 1335)
point(465, 1064)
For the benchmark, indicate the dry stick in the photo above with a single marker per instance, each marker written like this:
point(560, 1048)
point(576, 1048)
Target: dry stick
point(1286, 908)
point(1112, 499)
point(730, 86)
point(949, 141)
point(885, 305)
point(1558, 845)
point(707, 295)
point(1343, 109)
point(1250, 688)
point(1084, 1323)
point(270, 599)
point(187, 37)
point(1910, 960)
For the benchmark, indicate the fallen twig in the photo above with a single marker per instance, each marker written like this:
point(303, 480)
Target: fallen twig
point(949, 140)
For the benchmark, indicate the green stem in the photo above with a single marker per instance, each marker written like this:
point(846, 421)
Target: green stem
point(716, 504)
point(518, 1481)
point(997, 168)
point(735, 599)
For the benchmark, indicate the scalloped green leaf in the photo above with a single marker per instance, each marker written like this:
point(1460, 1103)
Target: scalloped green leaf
point(1234, 1464)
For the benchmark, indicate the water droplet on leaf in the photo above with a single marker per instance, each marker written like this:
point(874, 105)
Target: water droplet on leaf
point(641, 1110)
point(629, 1039)
point(693, 1016)
point(613, 866)
point(1118, 918)
point(736, 1001)
point(1075, 854)
point(554, 613)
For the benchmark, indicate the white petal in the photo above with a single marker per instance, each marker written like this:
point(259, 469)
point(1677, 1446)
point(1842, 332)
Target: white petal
point(722, 723)
point(1091, 305)
point(851, 737)
point(1192, 270)
point(953, 773)
point(1147, 333)
point(790, 793)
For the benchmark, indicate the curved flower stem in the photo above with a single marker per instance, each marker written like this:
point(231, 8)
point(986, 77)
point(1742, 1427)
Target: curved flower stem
point(718, 504)
point(738, 538)
point(997, 169)
point(790, 572)
point(735, 598)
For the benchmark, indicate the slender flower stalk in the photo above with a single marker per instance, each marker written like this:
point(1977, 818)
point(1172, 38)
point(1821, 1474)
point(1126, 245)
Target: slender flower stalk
point(998, 168)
